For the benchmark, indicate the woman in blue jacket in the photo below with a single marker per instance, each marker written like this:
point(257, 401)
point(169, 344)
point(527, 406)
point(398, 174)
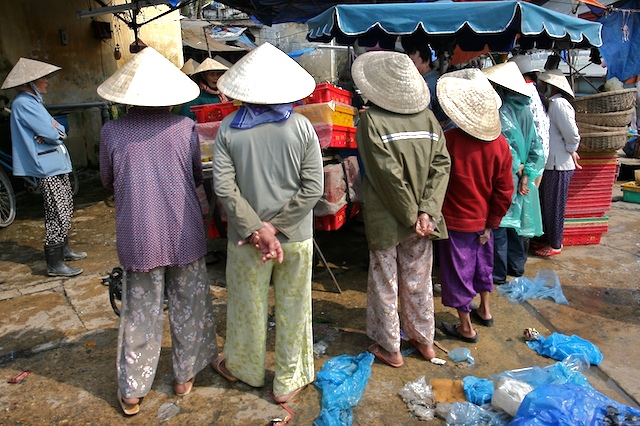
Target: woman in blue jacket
point(39, 151)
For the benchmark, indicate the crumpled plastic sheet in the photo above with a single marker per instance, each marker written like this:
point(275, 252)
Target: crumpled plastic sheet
point(478, 391)
point(468, 414)
point(559, 346)
point(420, 398)
point(342, 381)
point(461, 354)
point(545, 284)
point(569, 404)
point(568, 370)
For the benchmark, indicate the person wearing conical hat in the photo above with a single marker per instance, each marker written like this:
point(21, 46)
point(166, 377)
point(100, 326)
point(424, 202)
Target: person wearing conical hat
point(524, 218)
point(267, 172)
point(406, 167)
point(564, 140)
point(540, 117)
point(478, 196)
point(39, 151)
point(206, 75)
point(190, 67)
point(151, 160)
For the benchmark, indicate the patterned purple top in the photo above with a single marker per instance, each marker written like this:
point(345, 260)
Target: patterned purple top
point(151, 160)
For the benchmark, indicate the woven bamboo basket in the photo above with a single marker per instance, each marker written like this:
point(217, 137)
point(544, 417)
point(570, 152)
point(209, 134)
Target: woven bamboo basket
point(603, 141)
point(614, 101)
point(593, 128)
point(608, 119)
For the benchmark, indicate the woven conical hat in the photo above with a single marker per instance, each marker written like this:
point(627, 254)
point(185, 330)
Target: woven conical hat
point(266, 75)
point(508, 76)
point(210, 65)
point(149, 79)
point(190, 66)
point(468, 99)
point(524, 63)
point(557, 79)
point(27, 70)
point(391, 81)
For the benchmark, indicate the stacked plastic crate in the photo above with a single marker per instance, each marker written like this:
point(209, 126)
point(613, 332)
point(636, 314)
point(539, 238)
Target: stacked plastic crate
point(602, 120)
point(330, 112)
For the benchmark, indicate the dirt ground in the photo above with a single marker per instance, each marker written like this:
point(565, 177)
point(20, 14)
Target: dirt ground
point(64, 330)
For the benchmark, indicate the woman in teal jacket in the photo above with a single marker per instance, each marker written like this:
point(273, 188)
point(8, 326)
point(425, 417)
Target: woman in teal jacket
point(206, 76)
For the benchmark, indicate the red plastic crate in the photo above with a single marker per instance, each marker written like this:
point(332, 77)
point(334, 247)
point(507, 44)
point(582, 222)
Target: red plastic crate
point(326, 92)
point(335, 136)
point(335, 221)
point(213, 112)
point(583, 231)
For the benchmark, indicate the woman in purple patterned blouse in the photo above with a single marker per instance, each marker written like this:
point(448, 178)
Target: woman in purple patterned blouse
point(151, 160)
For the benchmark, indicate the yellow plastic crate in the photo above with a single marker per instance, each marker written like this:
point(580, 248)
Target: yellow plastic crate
point(631, 192)
point(333, 113)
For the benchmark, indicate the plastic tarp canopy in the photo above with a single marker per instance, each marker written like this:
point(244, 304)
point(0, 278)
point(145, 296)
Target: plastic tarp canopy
point(621, 37)
point(471, 26)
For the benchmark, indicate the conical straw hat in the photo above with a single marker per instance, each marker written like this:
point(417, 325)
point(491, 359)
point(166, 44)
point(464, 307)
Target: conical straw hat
point(210, 65)
point(391, 81)
point(190, 66)
point(468, 99)
point(557, 79)
point(524, 63)
point(149, 79)
point(508, 75)
point(26, 71)
point(266, 75)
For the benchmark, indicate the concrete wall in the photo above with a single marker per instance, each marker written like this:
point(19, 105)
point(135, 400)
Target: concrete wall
point(32, 29)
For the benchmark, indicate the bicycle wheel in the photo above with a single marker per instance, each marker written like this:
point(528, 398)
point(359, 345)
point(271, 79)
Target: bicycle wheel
point(75, 183)
point(7, 201)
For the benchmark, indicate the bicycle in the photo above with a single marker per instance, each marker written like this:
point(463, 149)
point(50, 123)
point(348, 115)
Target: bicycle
point(8, 196)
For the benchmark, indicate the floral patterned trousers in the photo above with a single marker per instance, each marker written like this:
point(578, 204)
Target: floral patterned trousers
point(401, 273)
point(193, 329)
point(247, 315)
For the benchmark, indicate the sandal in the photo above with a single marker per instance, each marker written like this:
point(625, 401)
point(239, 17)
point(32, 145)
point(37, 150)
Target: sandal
point(375, 349)
point(128, 409)
point(452, 330)
point(219, 366)
point(288, 397)
point(547, 252)
point(183, 389)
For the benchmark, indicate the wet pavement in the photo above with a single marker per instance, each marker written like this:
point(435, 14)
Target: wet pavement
point(64, 330)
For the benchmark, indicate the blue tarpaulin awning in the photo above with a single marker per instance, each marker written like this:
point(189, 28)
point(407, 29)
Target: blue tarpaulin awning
point(471, 26)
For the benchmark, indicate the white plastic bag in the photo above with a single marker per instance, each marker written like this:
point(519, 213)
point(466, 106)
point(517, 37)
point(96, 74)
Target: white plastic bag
point(509, 395)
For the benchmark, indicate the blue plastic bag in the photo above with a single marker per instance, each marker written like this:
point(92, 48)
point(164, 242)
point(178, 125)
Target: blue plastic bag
point(567, 371)
point(559, 346)
point(461, 354)
point(342, 380)
point(572, 405)
point(478, 391)
point(546, 284)
point(468, 414)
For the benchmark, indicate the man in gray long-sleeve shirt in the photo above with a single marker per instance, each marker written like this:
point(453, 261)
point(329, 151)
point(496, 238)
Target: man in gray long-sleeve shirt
point(268, 175)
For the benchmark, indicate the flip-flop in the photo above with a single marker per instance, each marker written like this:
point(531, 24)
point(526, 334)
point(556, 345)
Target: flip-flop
point(187, 386)
point(288, 397)
point(547, 252)
point(128, 409)
point(451, 330)
point(435, 360)
point(375, 350)
point(219, 366)
point(477, 318)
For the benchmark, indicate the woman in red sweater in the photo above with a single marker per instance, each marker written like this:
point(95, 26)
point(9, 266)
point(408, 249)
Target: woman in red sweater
point(478, 196)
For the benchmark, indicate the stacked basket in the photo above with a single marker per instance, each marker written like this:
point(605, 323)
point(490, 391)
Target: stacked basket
point(603, 121)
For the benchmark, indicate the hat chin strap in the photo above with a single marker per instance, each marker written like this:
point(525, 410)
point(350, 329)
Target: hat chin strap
point(36, 92)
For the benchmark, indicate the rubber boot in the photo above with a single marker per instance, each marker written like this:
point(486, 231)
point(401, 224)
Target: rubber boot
point(54, 254)
point(70, 254)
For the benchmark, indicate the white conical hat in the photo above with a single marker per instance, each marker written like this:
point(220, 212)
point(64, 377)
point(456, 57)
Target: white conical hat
point(391, 81)
point(149, 79)
point(508, 76)
point(524, 63)
point(556, 78)
point(26, 71)
point(266, 75)
point(210, 65)
point(468, 99)
point(190, 66)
